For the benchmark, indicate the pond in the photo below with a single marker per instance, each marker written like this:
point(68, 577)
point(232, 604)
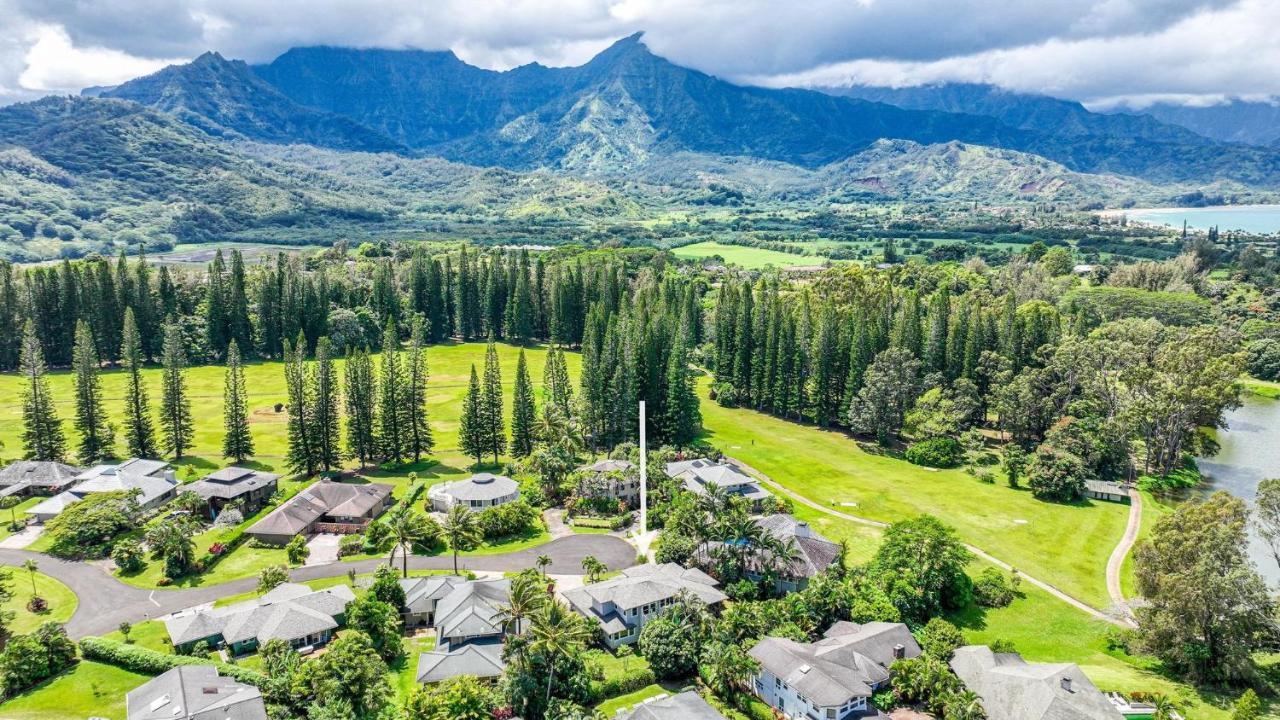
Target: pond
point(1250, 452)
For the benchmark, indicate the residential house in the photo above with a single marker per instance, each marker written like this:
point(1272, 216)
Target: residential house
point(1013, 689)
point(700, 473)
point(470, 623)
point(152, 483)
point(300, 616)
point(324, 507)
point(251, 489)
point(614, 479)
point(36, 477)
point(833, 678)
point(623, 605)
point(687, 705)
point(423, 594)
point(814, 553)
point(1106, 490)
point(195, 692)
point(480, 491)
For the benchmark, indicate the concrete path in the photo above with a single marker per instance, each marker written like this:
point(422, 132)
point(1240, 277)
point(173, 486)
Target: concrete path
point(23, 537)
point(1116, 562)
point(1078, 604)
point(324, 549)
point(105, 602)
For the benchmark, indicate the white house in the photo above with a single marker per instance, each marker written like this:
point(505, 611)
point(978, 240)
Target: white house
point(623, 605)
point(614, 479)
point(700, 473)
point(833, 678)
point(480, 491)
point(152, 482)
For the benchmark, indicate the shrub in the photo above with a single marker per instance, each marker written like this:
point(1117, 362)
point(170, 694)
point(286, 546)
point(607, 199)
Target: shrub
point(1056, 474)
point(676, 548)
point(629, 681)
point(742, 590)
point(297, 550)
point(151, 662)
point(31, 658)
point(936, 452)
point(351, 545)
point(939, 639)
point(994, 589)
point(514, 518)
point(128, 556)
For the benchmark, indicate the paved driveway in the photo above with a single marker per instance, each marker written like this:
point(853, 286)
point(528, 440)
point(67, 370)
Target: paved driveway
point(23, 537)
point(105, 602)
point(324, 549)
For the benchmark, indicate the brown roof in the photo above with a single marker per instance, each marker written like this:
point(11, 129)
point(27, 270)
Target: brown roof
point(321, 498)
point(230, 482)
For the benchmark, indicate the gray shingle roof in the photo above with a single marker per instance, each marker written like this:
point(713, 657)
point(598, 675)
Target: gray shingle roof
point(815, 552)
point(288, 612)
point(641, 585)
point(36, 473)
point(195, 692)
point(687, 705)
point(321, 498)
point(420, 593)
point(608, 465)
point(151, 479)
point(698, 473)
point(478, 659)
point(481, 486)
point(230, 482)
point(845, 664)
point(473, 609)
point(55, 504)
point(1013, 689)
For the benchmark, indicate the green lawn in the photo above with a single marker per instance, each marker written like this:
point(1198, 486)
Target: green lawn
point(16, 513)
point(62, 602)
point(609, 708)
point(1263, 388)
point(1066, 545)
point(405, 670)
point(90, 689)
point(743, 256)
point(150, 634)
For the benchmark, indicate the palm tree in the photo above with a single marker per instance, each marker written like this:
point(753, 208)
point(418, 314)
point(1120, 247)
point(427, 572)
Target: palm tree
point(728, 667)
point(31, 567)
point(462, 530)
point(408, 527)
point(1163, 707)
point(781, 552)
point(542, 562)
point(557, 631)
point(714, 500)
point(526, 598)
point(593, 568)
point(965, 705)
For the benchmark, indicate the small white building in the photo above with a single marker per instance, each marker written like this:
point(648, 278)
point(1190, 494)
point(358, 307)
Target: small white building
point(614, 479)
point(480, 491)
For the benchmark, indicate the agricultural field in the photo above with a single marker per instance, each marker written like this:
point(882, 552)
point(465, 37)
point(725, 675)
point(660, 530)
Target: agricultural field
point(746, 257)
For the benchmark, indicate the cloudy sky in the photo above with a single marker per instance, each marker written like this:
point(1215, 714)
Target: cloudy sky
point(1103, 52)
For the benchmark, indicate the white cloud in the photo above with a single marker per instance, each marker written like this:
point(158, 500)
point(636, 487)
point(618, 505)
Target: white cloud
point(55, 65)
point(1087, 49)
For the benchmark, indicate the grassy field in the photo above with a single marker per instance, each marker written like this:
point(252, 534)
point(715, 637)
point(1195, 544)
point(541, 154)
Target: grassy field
point(1066, 545)
point(62, 602)
point(1262, 388)
point(743, 256)
point(90, 689)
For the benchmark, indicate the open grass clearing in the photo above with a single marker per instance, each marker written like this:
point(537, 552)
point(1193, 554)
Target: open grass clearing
point(1066, 545)
point(743, 256)
point(61, 601)
point(90, 689)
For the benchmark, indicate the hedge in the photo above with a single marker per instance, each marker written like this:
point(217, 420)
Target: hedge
point(627, 682)
point(151, 662)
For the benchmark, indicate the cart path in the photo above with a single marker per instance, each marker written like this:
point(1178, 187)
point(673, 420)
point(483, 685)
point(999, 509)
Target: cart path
point(1052, 590)
point(105, 602)
point(1116, 562)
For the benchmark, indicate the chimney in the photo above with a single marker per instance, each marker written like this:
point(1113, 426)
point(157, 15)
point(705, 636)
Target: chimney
point(1066, 684)
point(802, 530)
point(899, 652)
point(170, 476)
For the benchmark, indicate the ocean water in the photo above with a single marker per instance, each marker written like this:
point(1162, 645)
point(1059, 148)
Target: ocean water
point(1249, 218)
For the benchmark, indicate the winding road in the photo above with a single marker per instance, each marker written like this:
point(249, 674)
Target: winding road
point(105, 602)
point(1125, 621)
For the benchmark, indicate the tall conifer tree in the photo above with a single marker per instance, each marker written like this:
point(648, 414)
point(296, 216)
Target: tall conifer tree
point(471, 427)
point(175, 406)
point(91, 418)
point(418, 435)
point(42, 437)
point(325, 422)
point(362, 397)
point(301, 456)
point(522, 411)
point(392, 431)
point(239, 327)
point(139, 432)
point(216, 312)
point(237, 440)
point(683, 417)
point(495, 433)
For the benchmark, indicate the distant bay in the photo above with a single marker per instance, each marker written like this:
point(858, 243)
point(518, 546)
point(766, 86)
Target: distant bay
point(1249, 218)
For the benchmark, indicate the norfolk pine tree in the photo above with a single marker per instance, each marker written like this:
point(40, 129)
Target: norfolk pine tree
point(301, 457)
point(175, 406)
point(392, 429)
point(361, 393)
point(522, 411)
point(494, 432)
point(419, 437)
point(91, 418)
point(139, 432)
point(237, 443)
point(471, 425)
point(324, 406)
point(42, 437)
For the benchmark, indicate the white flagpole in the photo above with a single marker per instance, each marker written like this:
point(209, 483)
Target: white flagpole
point(644, 476)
